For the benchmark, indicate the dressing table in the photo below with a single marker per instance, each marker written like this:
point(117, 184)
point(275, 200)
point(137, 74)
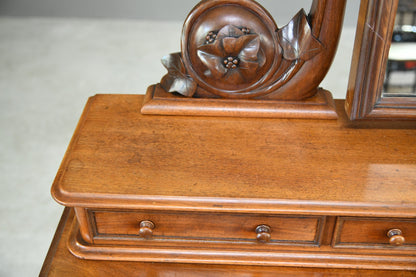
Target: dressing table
point(212, 173)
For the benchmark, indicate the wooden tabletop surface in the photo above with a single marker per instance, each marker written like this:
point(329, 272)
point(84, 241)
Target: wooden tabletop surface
point(120, 158)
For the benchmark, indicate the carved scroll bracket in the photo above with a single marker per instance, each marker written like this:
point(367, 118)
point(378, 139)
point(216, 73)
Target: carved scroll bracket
point(233, 49)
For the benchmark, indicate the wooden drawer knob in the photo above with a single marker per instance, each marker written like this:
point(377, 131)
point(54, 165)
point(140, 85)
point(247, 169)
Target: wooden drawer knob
point(263, 233)
point(395, 237)
point(146, 229)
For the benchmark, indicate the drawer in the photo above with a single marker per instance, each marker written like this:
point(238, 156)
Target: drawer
point(207, 227)
point(375, 233)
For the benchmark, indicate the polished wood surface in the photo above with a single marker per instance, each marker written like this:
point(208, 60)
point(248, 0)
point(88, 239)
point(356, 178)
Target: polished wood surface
point(396, 237)
point(287, 62)
point(372, 43)
point(236, 164)
point(376, 232)
point(60, 262)
point(246, 191)
point(235, 61)
point(209, 226)
point(159, 102)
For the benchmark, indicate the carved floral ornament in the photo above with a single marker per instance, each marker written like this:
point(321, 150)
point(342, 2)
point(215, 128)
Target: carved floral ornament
point(234, 55)
point(240, 60)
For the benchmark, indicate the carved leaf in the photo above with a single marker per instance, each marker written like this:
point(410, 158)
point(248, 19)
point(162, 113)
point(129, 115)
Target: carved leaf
point(215, 48)
point(251, 48)
point(213, 63)
point(248, 69)
point(177, 79)
point(245, 49)
point(230, 31)
point(297, 40)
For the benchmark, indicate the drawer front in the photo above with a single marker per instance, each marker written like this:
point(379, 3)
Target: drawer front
point(207, 227)
point(374, 233)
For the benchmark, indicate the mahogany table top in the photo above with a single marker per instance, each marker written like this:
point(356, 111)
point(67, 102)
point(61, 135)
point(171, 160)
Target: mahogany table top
point(237, 164)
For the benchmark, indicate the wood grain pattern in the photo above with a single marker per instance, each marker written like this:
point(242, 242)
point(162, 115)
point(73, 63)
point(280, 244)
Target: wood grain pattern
point(368, 67)
point(372, 233)
point(207, 253)
point(59, 262)
point(207, 183)
point(207, 227)
point(159, 102)
point(236, 164)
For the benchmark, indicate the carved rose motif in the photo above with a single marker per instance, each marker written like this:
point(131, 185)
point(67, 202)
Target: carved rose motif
point(234, 55)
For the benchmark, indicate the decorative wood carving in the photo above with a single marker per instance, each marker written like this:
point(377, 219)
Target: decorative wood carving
point(203, 190)
point(233, 49)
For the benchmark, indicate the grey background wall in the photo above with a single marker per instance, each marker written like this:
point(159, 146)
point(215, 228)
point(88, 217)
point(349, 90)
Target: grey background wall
point(282, 10)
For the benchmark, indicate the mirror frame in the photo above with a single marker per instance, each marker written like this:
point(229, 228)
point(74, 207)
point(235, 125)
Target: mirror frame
point(371, 48)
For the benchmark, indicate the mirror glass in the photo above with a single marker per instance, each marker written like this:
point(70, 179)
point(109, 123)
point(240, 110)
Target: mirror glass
point(400, 79)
